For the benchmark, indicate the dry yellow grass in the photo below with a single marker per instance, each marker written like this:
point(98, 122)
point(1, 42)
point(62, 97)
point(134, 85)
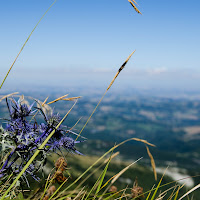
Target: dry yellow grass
point(71, 98)
point(58, 99)
point(133, 2)
point(8, 95)
point(152, 162)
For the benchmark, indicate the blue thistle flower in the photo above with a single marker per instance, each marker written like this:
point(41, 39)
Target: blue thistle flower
point(59, 140)
point(23, 138)
point(18, 110)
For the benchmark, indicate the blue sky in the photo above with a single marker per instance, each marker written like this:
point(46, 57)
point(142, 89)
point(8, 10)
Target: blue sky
point(81, 40)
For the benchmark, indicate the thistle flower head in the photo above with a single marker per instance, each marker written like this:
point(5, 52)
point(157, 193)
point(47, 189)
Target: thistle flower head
point(21, 138)
point(18, 109)
point(53, 120)
point(64, 142)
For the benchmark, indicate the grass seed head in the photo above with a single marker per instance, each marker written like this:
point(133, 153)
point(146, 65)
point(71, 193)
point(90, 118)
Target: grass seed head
point(113, 189)
point(51, 190)
point(137, 191)
point(61, 164)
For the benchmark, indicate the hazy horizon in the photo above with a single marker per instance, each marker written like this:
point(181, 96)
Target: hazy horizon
point(84, 43)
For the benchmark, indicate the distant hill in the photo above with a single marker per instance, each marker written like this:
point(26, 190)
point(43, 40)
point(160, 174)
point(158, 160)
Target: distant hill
point(172, 124)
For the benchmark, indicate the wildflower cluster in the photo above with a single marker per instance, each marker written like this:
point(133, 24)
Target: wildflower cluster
point(23, 135)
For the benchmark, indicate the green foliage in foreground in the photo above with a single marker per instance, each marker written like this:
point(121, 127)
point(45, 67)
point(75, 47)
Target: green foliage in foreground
point(95, 182)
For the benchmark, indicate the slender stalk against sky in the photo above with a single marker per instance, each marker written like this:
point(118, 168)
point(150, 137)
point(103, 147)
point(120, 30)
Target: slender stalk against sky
point(77, 35)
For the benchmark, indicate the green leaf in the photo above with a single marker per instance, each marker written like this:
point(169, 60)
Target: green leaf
point(154, 194)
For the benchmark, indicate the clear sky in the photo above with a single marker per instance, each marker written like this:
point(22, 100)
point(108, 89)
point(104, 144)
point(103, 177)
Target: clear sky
point(81, 40)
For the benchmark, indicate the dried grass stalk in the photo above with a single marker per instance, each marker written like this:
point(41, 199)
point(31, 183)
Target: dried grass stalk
point(133, 2)
point(152, 163)
point(8, 95)
point(58, 99)
point(143, 141)
point(71, 98)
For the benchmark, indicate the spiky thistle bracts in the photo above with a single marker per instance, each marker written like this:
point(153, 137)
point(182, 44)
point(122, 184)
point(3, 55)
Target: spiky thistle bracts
point(22, 136)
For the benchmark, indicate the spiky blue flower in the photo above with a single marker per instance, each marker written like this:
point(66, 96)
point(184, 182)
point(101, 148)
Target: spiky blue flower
point(22, 137)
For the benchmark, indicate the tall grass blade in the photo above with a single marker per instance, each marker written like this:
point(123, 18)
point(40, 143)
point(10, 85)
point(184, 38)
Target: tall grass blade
point(120, 69)
point(124, 170)
point(143, 141)
point(58, 99)
point(177, 192)
point(94, 171)
point(99, 181)
point(110, 150)
point(8, 95)
point(124, 194)
point(84, 195)
point(58, 189)
point(165, 192)
point(133, 2)
point(48, 183)
point(150, 193)
point(25, 44)
point(152, 163)
point(71, 98)
point(153, 189)
point(114, 178)
point(107, 160)
point(156, 190)
point(79, 194)
point(190, 191)
point(112, 195)
point(46, 186)
point(102, 178)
